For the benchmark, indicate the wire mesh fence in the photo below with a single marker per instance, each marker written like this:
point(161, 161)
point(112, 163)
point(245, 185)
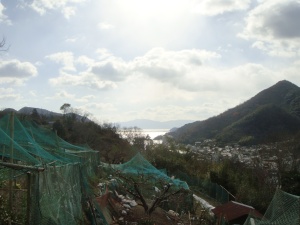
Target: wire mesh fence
point(44, 179)
point(205, 186)
point(284, 209)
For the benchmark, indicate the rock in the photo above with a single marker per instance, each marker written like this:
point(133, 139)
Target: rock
point(133, 203)
point(127, 206)
point(173, 213)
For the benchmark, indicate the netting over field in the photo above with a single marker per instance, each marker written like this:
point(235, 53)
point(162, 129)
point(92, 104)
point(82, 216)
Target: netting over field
point(205, 186)
point(139, 165)
point(53, 173)
point(284, 209)
point(152, 184)
point(42, 144)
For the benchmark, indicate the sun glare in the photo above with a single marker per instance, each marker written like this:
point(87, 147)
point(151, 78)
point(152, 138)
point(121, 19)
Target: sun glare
point(145, 9)
point(149, 23)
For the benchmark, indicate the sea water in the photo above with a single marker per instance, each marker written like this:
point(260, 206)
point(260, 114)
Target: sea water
point(155, 132)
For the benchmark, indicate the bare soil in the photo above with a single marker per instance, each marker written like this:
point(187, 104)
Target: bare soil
point(112, 210)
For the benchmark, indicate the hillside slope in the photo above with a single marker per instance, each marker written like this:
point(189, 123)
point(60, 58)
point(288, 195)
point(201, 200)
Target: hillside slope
point(269, 123)
point(283, 96)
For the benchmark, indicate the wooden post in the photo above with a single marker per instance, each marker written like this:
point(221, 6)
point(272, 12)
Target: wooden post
point(57, 142)
point(12, 129)
point(22, 167)
point(11, 121)
point(28, 198)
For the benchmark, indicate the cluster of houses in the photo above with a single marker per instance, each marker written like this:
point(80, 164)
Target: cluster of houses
point(269, 157)
point(271, 160)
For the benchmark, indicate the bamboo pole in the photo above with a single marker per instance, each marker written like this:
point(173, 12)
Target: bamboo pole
point(11, 121)
point(12, 131)
point(21, 167)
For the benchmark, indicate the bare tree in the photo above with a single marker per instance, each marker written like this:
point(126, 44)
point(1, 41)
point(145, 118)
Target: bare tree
point(131, 133)
point(2, 44)
point(141, 188)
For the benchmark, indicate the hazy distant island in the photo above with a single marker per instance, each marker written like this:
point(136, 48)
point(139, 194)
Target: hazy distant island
point(151, 124)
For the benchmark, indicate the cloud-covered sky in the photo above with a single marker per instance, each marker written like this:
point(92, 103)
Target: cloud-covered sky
point(149, 59)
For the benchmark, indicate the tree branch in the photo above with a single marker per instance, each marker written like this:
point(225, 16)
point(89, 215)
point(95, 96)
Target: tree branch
point(2, 44)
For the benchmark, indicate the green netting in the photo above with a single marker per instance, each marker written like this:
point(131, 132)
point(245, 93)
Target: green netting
point(59, 196)
point(138, 177)
point(17, 180)
point(205, 186)
point(10, 147)
point(57, 176)
point(25, 139)
point(62, 149)
point(284, 209)
point(47, 138)
point(139, 165)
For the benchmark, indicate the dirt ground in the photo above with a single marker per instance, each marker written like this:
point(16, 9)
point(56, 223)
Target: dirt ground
point(158, 217)
point(112, 210)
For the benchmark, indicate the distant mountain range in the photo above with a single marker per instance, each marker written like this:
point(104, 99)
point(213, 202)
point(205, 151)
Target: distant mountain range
point(141, 123)
point(29, 110)
point(271, 115)
point(151, 124)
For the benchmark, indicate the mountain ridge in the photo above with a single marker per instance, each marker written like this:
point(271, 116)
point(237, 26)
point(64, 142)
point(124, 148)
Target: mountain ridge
point(284, 95)
point(44, 112)
point(140, 123)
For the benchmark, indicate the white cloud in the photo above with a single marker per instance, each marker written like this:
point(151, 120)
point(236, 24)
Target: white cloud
point(71, 40)
point(100, 75)
point(86, 98)
point(110, 70)
point(181, 69)
point(179, 72)
point(64, 58)
point(17, 69)
point(9, 94)
point(215, 7)
point(104, 53)
point(84, 60)
point(3, 17)
point(159, 61)
point(183, 73)
point(10, 97)
point(105, 26)
point(62, 95)
point(168, 112)
point(174, 67)
point(82, 80)
point(4, 91)
point(65, 6)
point(68, 12)
point(160, 81)
point(274, 26)
point(98, 106)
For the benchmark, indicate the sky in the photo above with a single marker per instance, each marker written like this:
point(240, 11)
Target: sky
point(120, 60)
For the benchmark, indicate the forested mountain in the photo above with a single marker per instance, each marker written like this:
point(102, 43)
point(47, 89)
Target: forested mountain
point(79, 130)
point(41, 112)
point(271, 115)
